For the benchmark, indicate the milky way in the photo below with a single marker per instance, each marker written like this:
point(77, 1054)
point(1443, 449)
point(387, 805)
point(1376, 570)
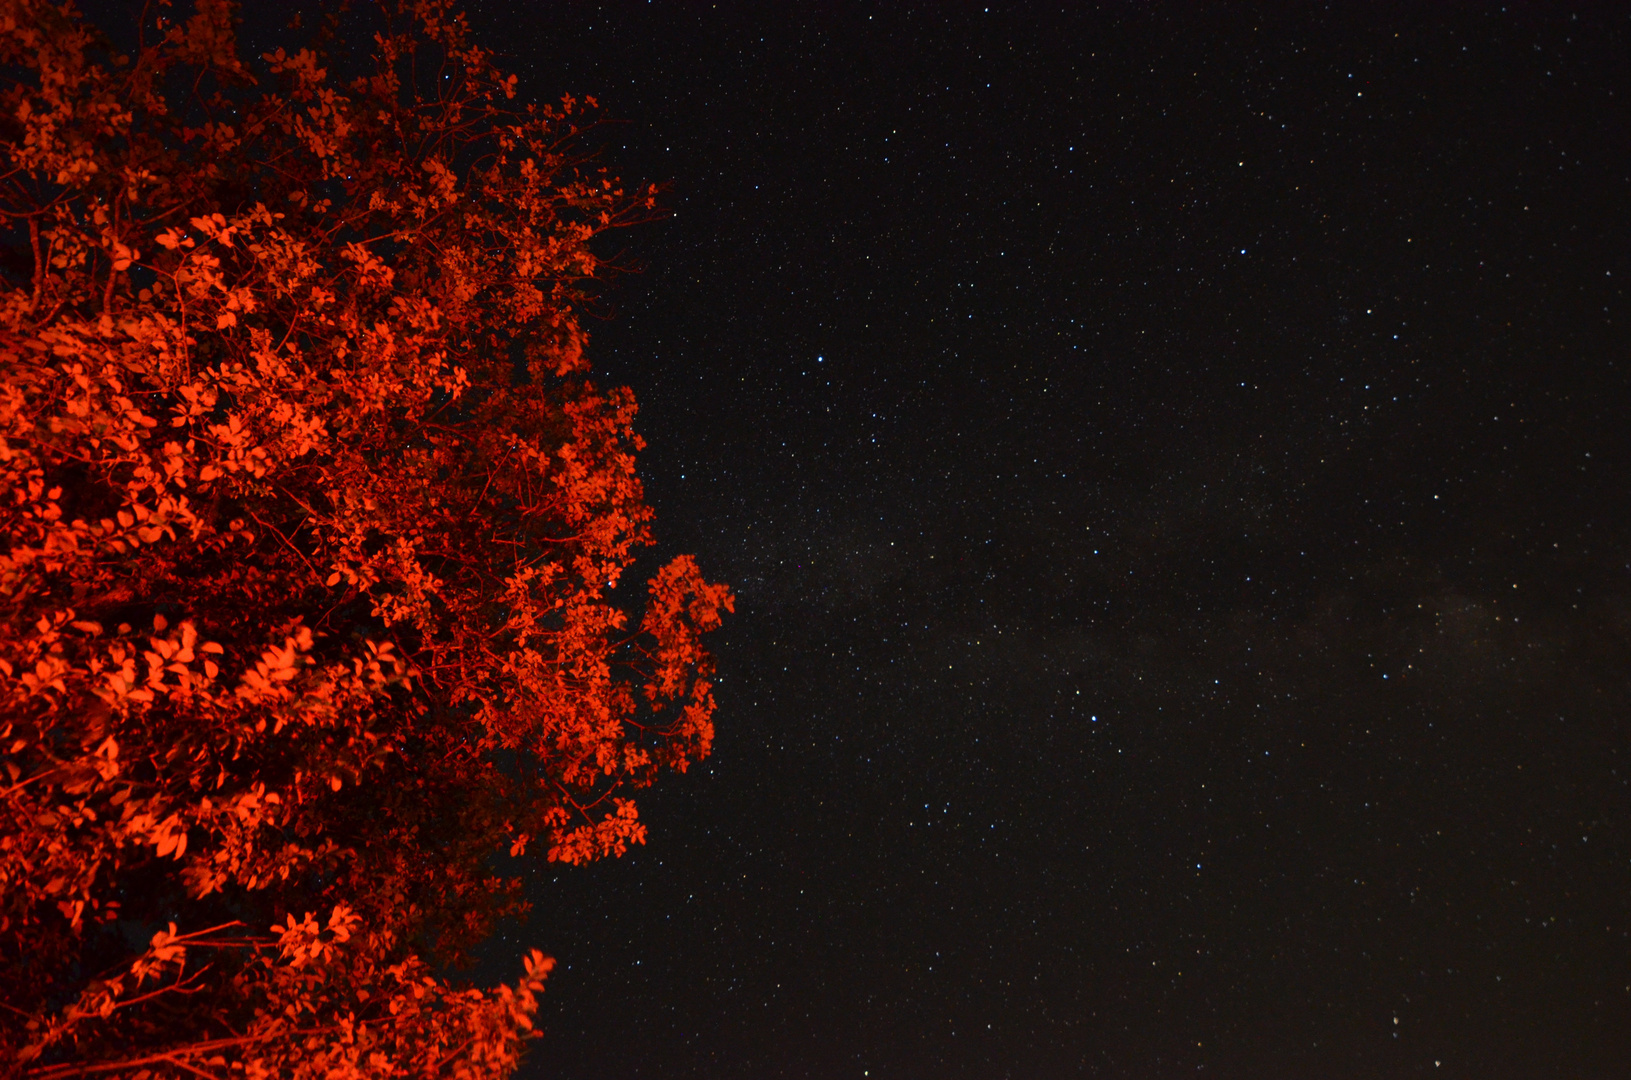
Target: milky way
point(1173, 471)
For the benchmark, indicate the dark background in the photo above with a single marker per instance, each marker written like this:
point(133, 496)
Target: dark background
point(1172, 464)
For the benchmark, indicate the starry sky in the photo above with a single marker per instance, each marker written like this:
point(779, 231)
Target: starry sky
point(1172, 463)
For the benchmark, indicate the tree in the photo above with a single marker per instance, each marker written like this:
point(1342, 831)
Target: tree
point(310, 518)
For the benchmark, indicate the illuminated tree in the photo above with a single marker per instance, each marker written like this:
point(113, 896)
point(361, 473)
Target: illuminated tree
point(310, 513)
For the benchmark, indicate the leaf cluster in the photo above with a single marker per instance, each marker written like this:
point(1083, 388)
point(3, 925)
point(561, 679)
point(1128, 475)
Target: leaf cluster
point(309, 516)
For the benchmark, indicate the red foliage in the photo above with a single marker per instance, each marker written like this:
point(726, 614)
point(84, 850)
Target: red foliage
point(309, 515)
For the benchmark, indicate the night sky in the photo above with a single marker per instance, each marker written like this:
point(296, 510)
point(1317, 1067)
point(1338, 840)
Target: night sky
point(1172, 463)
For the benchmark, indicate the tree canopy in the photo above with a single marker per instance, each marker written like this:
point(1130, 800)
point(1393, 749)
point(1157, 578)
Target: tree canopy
point(311, 519)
